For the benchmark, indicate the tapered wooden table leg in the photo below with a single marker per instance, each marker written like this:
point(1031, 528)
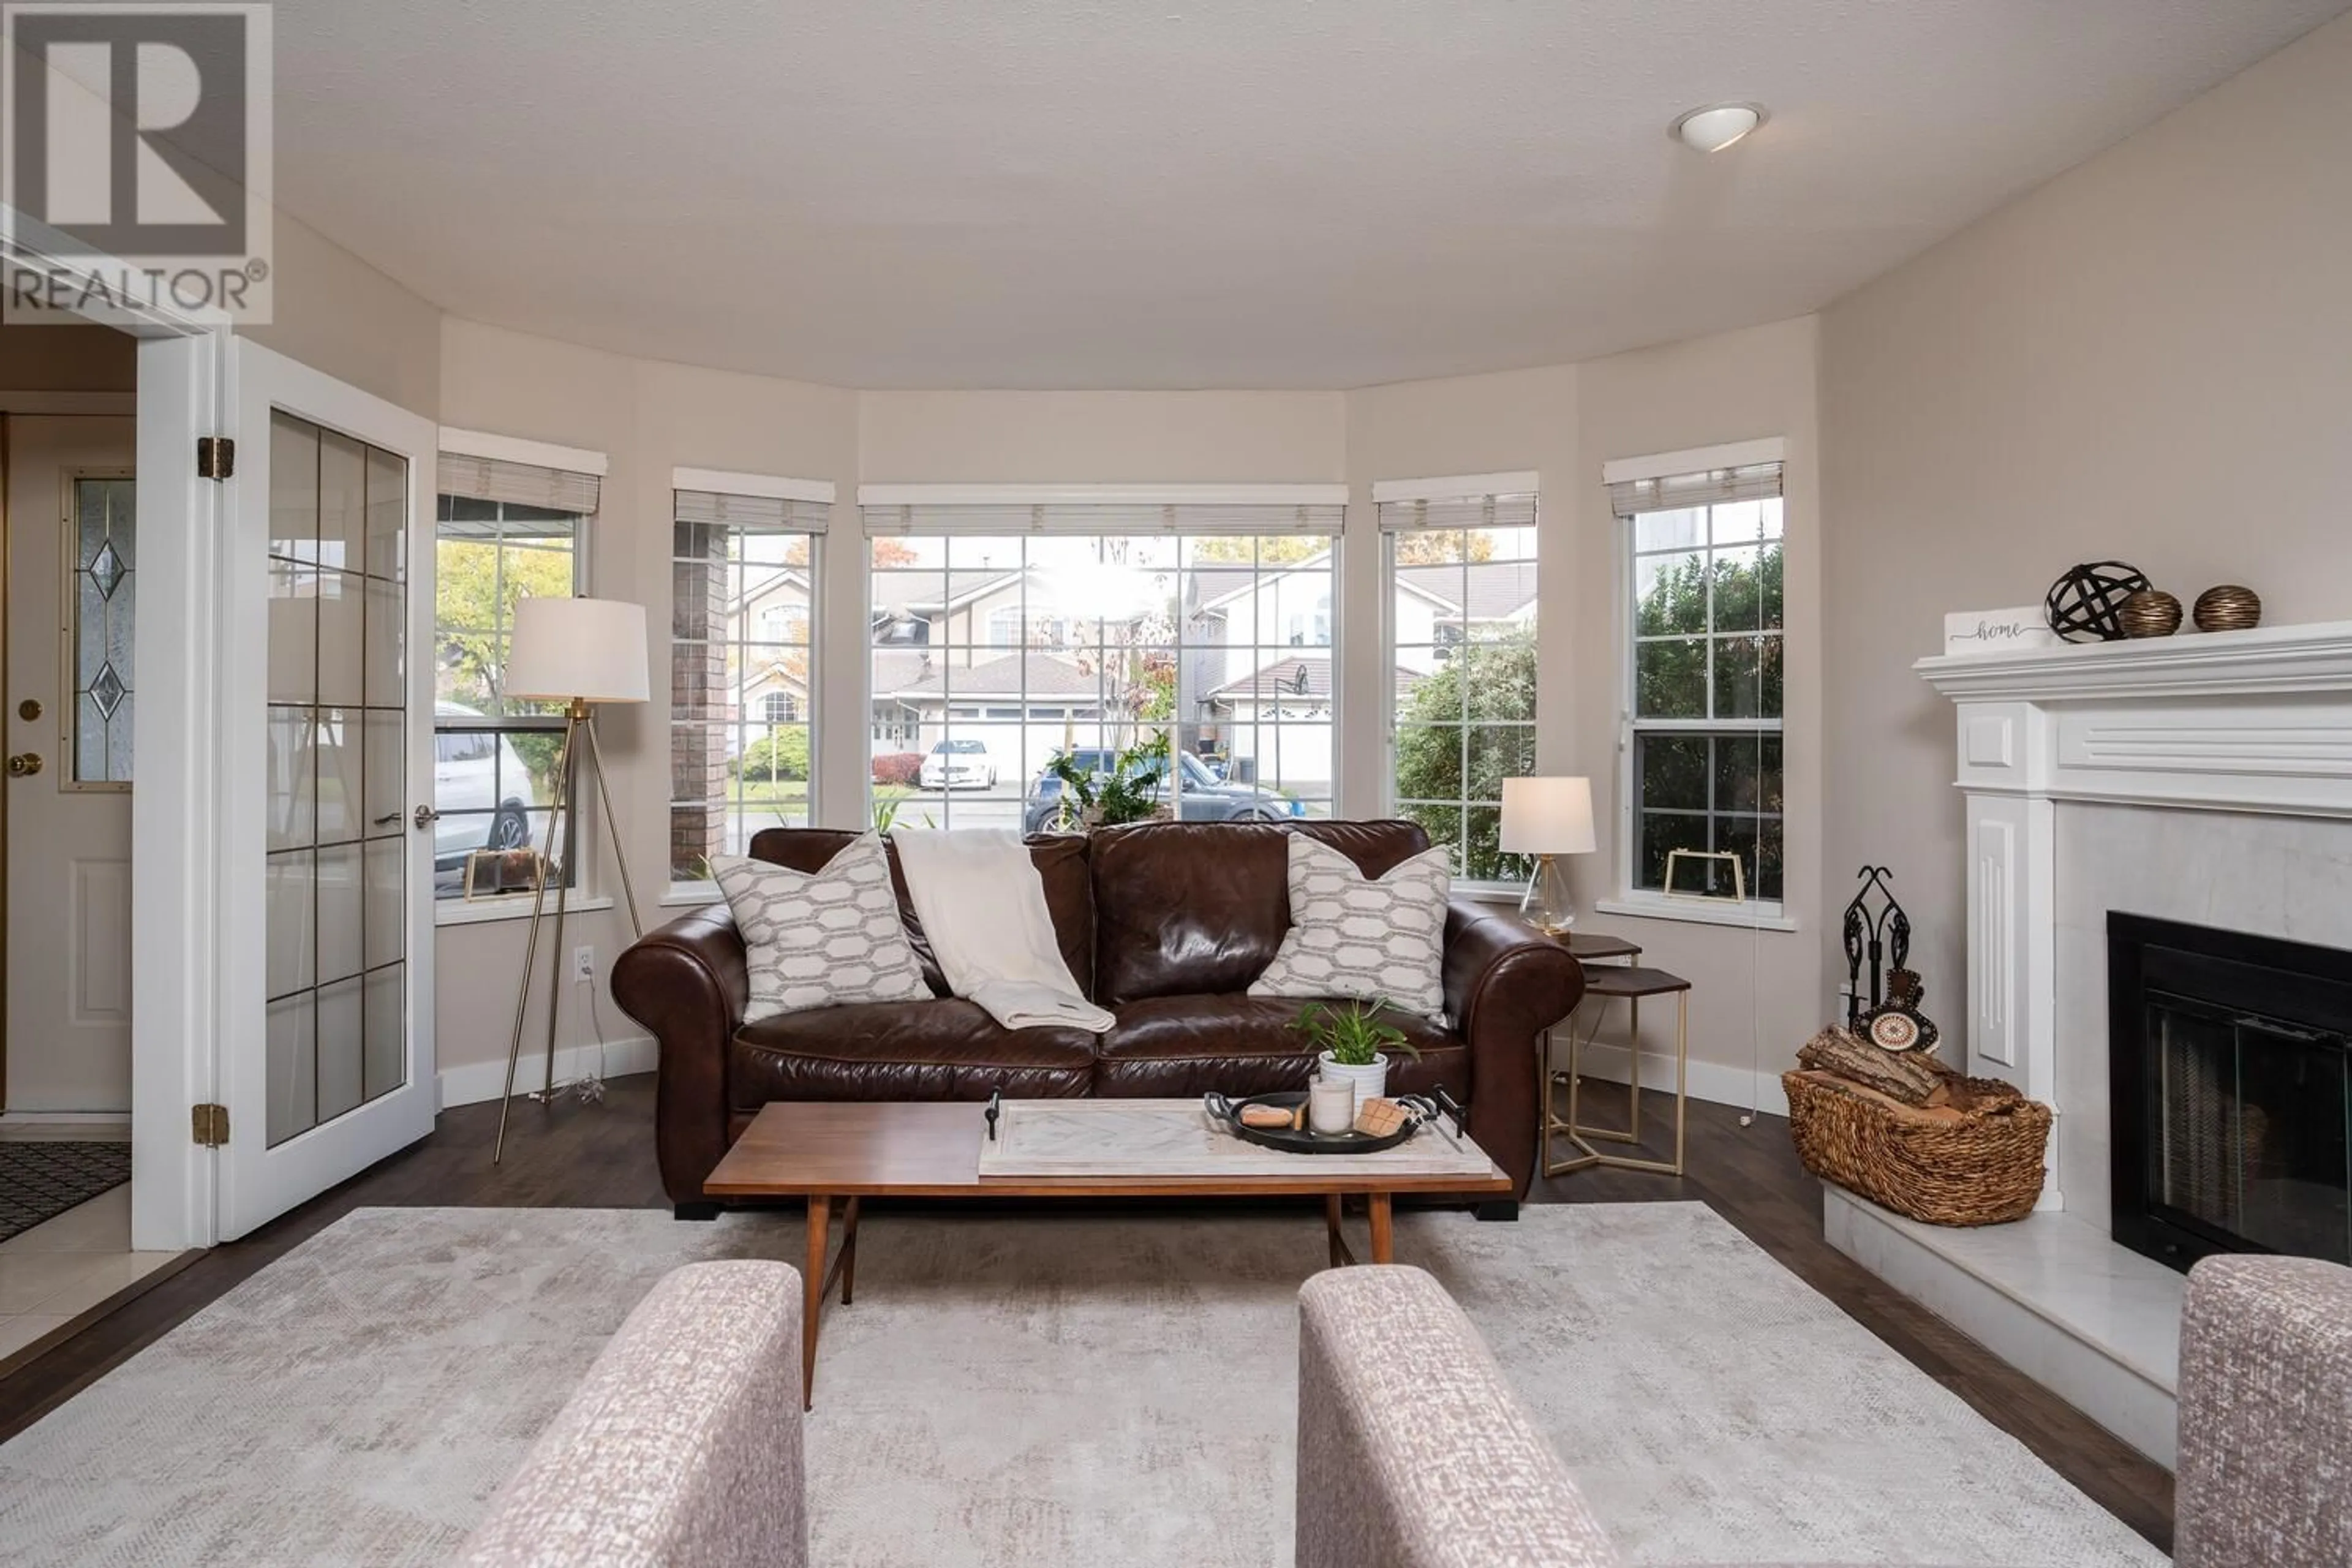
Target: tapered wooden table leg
point(820, 1218)
point(1383, 1230)
point(848, 1249)
point(1332, 1229)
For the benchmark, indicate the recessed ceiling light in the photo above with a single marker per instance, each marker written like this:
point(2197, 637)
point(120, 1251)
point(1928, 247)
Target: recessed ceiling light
point(1716, 126)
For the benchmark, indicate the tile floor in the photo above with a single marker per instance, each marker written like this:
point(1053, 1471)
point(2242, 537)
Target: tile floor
point(66, 1266)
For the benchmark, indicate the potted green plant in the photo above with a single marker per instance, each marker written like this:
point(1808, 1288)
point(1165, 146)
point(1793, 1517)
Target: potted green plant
point(1354, 1043)
point(1130, 793)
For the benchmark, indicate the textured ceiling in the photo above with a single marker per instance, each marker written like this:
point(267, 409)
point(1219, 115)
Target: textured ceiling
point(1192, 193)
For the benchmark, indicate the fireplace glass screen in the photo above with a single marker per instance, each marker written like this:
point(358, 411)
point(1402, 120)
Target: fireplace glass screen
point(2250, 1137)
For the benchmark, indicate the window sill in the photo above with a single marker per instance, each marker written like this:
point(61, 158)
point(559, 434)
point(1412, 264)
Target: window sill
point(690, 895)
point(1491, 892)
point(1695, 911)
point(457, 912)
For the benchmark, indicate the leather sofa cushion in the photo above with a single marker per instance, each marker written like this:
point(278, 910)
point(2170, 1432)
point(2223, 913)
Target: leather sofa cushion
point(1060, 860)
point(944, 1049)
point(1186, 907)
point(1237, 1043)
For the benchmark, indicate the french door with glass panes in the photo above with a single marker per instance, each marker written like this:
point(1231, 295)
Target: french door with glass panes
point(325, 1055)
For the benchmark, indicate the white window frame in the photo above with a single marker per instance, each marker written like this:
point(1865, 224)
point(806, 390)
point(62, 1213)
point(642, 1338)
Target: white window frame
point(579, 829)
point(1452, 489)
point(1057, 509)
point(728, 483)
point(1753, 913)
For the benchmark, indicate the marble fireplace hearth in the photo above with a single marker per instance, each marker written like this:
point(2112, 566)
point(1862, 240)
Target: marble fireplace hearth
point(2200, 778)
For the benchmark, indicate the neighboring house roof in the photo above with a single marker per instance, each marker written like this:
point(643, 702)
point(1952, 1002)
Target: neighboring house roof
point(895, 669)
point(959, 587)
point(787, 577)
point(1289, 677)
point(1498, 590)
point(773, 675)
point(1216, 586)
point(1040, 675)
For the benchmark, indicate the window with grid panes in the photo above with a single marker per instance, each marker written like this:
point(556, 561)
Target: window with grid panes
point(1002, 637)
point(506, 531)
point(743, 607)
point(1461, 602)
point(1705, 670)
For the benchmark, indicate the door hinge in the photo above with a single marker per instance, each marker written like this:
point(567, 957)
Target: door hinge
point(211, 1125)
point(215, 456)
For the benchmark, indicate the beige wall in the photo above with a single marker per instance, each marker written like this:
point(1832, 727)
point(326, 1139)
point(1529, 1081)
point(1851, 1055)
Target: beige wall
point(1101, 437)
point(2148, 358)
point(1757, 995)
point(1463, 425)
point(337, 314)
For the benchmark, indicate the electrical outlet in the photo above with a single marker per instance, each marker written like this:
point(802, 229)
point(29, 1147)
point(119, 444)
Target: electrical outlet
point(584, 963)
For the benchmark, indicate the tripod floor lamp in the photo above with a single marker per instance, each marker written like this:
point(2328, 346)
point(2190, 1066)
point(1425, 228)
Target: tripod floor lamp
point(582, 653)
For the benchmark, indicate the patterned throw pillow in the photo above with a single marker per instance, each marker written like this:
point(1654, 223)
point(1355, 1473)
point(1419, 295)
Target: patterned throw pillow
point(821, 939)
point(1351, 935)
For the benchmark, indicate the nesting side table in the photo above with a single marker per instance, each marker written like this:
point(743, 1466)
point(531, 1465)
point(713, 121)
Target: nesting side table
point(1605, 982)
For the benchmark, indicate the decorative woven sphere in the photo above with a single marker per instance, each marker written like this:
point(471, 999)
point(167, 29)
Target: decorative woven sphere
point(2150, 613)
point(2228, 608)
point(2086, 604)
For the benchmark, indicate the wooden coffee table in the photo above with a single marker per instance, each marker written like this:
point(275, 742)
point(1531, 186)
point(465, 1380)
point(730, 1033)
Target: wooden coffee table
point(828, 1151)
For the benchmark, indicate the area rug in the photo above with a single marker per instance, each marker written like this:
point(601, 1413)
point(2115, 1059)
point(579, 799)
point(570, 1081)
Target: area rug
point(1032, 1389)
point(41, 1180)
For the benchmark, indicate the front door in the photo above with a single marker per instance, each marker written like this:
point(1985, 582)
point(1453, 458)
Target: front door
point(72, 594)
point(327, 1058)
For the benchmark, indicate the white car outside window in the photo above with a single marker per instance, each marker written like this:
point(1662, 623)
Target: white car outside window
point(958, 765)
point(482, 789)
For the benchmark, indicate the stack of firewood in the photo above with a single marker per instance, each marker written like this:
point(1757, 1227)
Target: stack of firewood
point(1909, 1077)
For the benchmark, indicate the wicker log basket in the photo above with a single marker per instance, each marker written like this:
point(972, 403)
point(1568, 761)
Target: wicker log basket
point(1976, 1159)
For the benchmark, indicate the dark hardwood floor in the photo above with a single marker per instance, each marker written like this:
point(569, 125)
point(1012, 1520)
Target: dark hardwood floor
point(601, 1156)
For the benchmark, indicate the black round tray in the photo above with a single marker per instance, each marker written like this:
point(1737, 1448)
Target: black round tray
point(1227, 1113)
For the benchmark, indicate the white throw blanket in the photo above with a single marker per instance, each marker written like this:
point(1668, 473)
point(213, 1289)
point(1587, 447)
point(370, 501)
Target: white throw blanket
point(983, 906)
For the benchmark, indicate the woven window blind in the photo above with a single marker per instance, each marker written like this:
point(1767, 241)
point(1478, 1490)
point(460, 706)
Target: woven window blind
point(760, 514)
point(1754, 481)
point(519, 484)
point(1464, 511)
point(1194, 516)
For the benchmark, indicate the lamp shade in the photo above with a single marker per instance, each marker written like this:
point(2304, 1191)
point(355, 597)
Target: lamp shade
point(1548, 816)
point(588, 649)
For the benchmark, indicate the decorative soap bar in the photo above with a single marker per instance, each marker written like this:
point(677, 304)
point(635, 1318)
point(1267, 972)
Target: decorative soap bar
point(1379, 1118)
point(1264, 1116)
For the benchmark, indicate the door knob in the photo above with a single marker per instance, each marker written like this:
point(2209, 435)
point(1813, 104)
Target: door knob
point(23, 764)
point(424, 818)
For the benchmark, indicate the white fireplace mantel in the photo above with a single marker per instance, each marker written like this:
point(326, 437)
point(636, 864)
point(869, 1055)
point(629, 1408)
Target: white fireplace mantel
point(2254, 721)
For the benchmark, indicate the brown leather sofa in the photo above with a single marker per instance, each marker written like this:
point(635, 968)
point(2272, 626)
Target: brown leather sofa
point(1166, 924)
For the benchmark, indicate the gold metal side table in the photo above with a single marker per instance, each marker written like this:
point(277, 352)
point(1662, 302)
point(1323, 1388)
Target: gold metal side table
point(1605, 983)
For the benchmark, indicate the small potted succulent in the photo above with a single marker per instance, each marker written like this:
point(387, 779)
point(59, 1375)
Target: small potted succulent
point(1354, 1043)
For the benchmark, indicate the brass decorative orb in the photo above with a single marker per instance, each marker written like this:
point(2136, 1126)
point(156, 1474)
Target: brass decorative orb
point(2228, 608)
point(2150, 613)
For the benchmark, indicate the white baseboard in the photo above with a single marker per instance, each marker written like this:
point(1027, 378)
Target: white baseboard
point(476, 1081)
point(1712, 1082)
point(67, 1117)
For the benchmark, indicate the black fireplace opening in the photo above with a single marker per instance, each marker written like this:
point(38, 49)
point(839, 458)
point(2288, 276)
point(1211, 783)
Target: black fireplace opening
point(2231, 1085)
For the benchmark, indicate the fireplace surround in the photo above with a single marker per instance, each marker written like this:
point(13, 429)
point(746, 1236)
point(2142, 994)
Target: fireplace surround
point(2201, 779)
point(2229, 1090)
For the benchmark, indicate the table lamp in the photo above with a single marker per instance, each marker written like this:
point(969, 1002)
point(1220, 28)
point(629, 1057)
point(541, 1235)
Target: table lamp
point(1547, 818)
point(581, 653)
